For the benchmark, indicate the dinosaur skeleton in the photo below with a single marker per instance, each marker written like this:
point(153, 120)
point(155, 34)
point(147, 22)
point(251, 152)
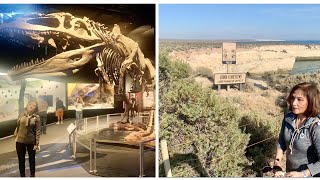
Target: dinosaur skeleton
point(124, 50)
point(79, 40)
point(76, 42)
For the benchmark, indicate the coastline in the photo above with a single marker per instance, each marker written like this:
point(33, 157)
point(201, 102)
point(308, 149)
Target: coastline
point(250, 59)
point(314, 58)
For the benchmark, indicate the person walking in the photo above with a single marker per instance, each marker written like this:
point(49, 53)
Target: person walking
point(43, 108)
point(27, 137)
point(59, 110)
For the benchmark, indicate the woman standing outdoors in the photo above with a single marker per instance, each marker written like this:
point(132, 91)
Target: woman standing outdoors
point(300, 133)
point(27, 137)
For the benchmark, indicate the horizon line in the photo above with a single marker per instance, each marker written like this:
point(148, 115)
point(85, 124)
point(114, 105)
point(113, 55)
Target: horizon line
point(258, 40)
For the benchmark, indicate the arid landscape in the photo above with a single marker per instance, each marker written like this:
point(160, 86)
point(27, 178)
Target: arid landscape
point(257, 60)
point(251, 58)
point(261, 104)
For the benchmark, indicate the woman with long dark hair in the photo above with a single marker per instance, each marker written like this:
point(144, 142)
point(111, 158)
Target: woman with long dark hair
point(27, 137)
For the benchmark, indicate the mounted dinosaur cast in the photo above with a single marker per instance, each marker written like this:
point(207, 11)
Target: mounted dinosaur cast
point(78, 41)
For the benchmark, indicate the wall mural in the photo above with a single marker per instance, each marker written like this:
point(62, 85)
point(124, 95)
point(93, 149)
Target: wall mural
point(90, 95)
point(38, 87)
point(9, 93)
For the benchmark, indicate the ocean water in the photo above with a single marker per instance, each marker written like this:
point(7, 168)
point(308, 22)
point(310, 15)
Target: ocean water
point(302, 67)
point(304, 42)
point(281, 42)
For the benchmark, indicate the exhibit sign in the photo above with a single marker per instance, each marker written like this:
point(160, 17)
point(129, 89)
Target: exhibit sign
point(229, 78)
point(71, 128)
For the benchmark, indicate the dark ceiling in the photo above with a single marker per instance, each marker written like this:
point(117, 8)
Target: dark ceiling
point(130, 16)
point(137, 13)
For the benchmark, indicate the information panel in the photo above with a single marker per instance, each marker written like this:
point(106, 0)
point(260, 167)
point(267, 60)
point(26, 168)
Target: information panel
point(231, 78)
point(229, 53)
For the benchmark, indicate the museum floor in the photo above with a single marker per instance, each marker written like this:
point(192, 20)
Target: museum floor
point(55, 160)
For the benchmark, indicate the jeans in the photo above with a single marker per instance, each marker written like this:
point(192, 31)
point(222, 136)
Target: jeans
point(21, 152)
point(78, 119)
point(43, 120)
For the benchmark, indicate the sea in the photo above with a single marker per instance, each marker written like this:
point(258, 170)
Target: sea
point(274, 42)
point(303, 67)
point(300, 67)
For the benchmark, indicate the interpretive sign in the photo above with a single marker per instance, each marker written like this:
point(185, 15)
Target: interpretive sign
point(71, 128)
point(230, 78)
point(229, 53)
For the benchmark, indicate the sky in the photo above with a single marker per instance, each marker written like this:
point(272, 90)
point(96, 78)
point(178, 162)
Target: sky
point(239, 21)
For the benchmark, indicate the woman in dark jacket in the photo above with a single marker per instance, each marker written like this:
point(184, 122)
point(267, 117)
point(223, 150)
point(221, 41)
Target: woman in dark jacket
point(27, 137)
point(300, 133)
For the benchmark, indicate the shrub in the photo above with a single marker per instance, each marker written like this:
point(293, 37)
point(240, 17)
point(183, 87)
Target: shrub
point(284, 83)
point(202, 130)
point(176, 69)
point(204, 71)
point(264, 130)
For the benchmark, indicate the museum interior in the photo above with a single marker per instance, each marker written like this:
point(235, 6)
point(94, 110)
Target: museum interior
point(101, 53)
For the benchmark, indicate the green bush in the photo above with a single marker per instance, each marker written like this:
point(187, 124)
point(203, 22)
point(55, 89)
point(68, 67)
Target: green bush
point(204, 72)
point(172, 70)
point(264, 130)
point(209, 137)
point(202, 130)
point(284, 83)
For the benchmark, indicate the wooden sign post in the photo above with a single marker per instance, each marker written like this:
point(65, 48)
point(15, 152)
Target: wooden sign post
point(229, 78)
point(229, 56)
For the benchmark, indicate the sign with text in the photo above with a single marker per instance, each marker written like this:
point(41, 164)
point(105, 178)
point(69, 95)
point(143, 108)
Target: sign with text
point(229, 53)
point(71, 128)
point(231, 78)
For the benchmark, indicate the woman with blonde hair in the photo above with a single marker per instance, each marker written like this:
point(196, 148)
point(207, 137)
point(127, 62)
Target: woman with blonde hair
point(27, 137)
